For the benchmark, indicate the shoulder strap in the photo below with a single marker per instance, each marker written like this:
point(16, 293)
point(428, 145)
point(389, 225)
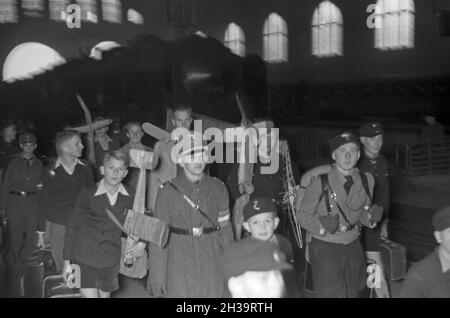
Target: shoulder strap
point(190, 202)
point(365, 184)
point(115, 221)
point(325, 191)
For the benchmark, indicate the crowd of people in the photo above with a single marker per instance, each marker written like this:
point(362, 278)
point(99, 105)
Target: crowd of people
point(77, 208)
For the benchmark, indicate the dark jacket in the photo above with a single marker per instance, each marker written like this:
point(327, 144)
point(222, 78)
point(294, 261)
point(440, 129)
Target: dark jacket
point(91, 236)
point(60, 191)
point(425, 279)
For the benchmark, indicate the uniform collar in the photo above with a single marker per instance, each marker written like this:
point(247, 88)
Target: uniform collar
point(342, 176)
point(31, 158)
point(102, 190)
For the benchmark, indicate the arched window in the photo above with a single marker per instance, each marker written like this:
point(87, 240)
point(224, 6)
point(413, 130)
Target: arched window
point(33, 8)
point(28, 59)
point(134, 17)
point(88, 10)
point(235, 39)
point(8, 11)
point(327, 30)
point(58, 9)
point(275, 39)
point(112, 11)
point(394, 24)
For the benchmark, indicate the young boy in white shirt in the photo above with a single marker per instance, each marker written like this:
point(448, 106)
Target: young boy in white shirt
point(93, 241)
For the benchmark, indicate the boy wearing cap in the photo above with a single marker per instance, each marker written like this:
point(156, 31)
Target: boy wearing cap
point(261, 221)
point(196, 207)
point(430, 278)
point(373, 162)
point(253, 269)
point(20, 198)
point(331, 211)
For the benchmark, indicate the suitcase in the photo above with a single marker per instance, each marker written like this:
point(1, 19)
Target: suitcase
point(39, 265)
point(393, 257)
point(55, 287)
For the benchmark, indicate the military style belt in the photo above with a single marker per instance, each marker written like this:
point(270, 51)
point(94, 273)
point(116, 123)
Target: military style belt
point(195, 231)
point(22, 193)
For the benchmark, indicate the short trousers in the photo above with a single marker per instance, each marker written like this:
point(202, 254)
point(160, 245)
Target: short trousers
point(105, 279)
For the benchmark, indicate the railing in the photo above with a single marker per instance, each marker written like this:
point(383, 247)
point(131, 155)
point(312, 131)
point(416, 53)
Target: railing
point(422, 158)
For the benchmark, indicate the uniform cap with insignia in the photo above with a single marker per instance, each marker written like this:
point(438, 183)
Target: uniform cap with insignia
point(259, 205)
point(441, 219)
point(371, 130)
point(252, 255)
point(342, 139)
point(27, 138)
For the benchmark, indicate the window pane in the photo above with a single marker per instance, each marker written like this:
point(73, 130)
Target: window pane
point(275, 40)
point(8, 11)
point(327, 38)
point(112, 11)
point(398, 24)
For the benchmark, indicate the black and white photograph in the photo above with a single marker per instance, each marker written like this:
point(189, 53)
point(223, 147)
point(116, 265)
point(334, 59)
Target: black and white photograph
point(208, 151)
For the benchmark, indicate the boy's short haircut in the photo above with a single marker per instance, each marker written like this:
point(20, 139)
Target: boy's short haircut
point(132, 123)
point(63, 136)
point(259, 205)
point(118, 155)
point(183, 108)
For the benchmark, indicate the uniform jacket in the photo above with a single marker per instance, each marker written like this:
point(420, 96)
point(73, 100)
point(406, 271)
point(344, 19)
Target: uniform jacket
point(378, 168)
point(425, 279)
point(91, 236)
point(187, 266)
point(352, 205)
point(19, 176)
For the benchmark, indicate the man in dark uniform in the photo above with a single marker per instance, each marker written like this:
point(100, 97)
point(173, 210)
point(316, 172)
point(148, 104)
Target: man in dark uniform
point(430, 278)
point(196, 207)
point(20, 199)
point(332, 217)
point(373, 162)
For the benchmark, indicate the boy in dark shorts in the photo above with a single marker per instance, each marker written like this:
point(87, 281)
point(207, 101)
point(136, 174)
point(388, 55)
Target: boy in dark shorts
point(93, 241)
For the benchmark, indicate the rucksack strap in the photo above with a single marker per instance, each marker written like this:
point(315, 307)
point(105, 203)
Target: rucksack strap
point(191, 203)
point(365, 183)
point(326, 189)
point(325, 192)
